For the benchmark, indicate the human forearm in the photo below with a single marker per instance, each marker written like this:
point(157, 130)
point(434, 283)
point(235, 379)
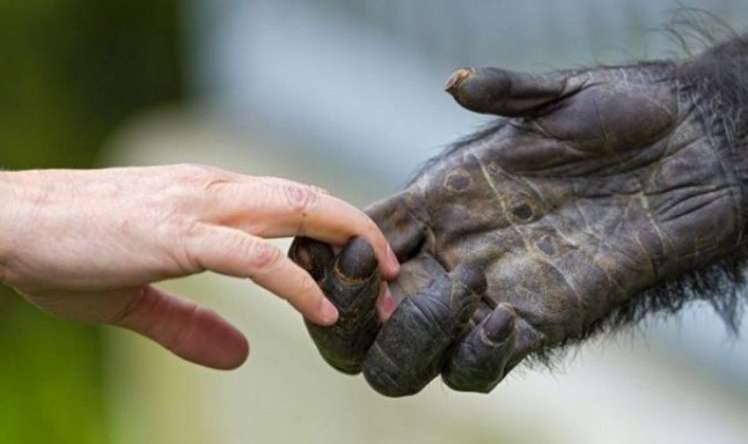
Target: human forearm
point(15, 204)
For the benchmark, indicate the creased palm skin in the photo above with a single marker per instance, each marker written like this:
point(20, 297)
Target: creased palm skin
point(595, 186)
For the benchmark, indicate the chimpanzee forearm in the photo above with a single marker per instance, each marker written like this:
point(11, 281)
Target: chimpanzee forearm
point(717, 80)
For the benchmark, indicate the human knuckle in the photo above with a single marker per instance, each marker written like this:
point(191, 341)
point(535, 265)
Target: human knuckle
point(300, 198)
point(196, 177)
point(179, 237)
point(179, 341)
point(371, 226)
point(174, 221)
point(307, 285)
point(262, 255)
point(319, 190)
point(371, 231)
point(143, 301)
point(189, 231)
point(191, 171)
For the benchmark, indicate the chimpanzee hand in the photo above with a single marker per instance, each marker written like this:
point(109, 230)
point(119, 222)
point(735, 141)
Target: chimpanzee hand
point(594, 186)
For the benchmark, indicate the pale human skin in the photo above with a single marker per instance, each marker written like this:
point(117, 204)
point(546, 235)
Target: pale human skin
point(87, 245)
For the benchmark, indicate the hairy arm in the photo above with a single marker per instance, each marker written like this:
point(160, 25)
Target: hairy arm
point(598, 197)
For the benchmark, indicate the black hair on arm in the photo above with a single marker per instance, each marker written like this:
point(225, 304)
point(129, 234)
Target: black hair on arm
point(719, 73)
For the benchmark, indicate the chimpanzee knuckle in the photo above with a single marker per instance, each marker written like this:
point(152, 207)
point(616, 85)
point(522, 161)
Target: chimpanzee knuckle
point(385, 374)
point(430, 314)
point(635, 117)
point(528, 339)
point(384, 210)
point(484, 388)
point(556, 322)
point(612, 116)
point(478, 362)
point(345, 344)
point(404, 231)
point(311, 255)
point(472, 380)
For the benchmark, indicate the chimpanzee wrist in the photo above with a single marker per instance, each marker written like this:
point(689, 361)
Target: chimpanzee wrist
point(717, 83)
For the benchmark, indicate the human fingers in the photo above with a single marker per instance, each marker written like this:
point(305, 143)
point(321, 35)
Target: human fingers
point(236, 253)
point(190, 331)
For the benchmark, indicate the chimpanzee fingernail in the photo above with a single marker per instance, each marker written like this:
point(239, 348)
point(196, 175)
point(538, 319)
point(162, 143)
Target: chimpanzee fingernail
point(457, 77)
point(499, 324)
point(328, 312)
point(357, 260)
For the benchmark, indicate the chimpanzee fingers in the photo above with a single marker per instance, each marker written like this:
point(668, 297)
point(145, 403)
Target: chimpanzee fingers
point(311, 255)
point(505, 93)
point(478, 363)
point(411, 347)
point(351, 283)
point(395, 218)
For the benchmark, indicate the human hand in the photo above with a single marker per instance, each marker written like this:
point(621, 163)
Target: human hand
point(87, 244)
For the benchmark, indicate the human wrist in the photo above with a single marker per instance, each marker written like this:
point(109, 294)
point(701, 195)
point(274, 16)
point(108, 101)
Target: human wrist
point(8, 215)
point(16, 207)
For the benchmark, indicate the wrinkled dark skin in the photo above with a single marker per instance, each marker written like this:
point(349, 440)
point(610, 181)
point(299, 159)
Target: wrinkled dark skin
point(594, 186)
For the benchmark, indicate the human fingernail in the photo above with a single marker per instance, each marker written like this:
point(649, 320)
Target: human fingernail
point(500, 323)
point(328, 312)
point(386, 303)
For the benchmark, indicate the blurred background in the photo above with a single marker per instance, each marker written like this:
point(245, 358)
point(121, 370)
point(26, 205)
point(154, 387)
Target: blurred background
point(345, 94)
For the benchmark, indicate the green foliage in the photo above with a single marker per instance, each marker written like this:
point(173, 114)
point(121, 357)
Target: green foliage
point(73, 69)
point(50, 379)
point(70, 72)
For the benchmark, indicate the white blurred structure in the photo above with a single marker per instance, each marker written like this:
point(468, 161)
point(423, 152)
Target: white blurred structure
point(347, 95)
